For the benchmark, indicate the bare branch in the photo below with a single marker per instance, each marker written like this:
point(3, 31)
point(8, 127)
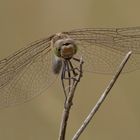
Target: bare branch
point(68, 103)
point(103, 96)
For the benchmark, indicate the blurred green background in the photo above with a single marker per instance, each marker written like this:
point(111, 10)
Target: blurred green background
point(22, 22)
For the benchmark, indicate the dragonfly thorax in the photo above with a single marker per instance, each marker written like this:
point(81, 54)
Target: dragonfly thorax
point(64, 47)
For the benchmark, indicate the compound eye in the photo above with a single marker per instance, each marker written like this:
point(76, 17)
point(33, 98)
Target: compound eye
point(57, 51)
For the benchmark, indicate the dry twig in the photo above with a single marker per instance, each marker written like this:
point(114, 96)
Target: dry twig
point(68, 103)
point(102, 98)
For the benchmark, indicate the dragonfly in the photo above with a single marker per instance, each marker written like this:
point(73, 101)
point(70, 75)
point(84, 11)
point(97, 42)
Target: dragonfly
point(27, 72)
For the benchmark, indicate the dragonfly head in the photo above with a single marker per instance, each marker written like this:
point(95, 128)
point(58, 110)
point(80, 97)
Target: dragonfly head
point(64, 46)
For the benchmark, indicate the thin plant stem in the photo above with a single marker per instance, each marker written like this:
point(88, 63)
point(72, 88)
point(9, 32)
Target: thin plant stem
point(102, 98)
point(68, 104)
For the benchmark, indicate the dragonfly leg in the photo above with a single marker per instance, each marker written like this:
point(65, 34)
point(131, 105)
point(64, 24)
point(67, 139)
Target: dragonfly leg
point(77, 70)
point(66, 79)
point(66, 76)
point(63, 77)
point(70, 75)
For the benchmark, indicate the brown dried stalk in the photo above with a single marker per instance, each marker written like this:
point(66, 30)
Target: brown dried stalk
point(68, 103)
point(102, 98)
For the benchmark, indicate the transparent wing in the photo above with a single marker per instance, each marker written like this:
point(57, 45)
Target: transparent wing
point(103, 49)
point(26, 73)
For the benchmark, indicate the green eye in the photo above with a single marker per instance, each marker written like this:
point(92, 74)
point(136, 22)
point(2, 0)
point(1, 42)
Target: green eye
point(75, 49)
point(57, 52)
